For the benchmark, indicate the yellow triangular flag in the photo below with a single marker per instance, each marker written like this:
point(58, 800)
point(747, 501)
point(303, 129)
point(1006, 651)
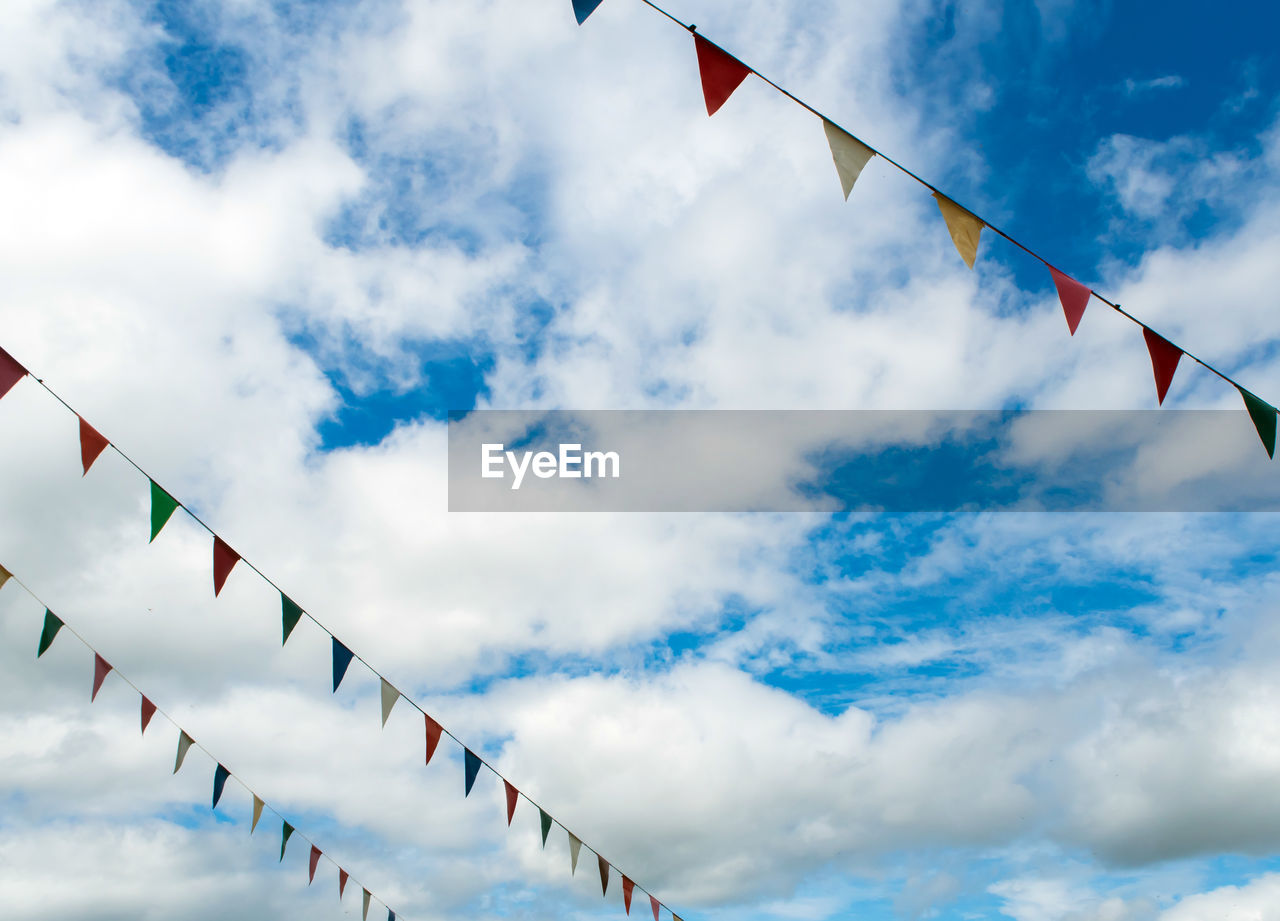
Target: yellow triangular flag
point(257, 812)
point(574, 846)
point(4, 576)
point(184, 744)
point(389, 697)
point(965, 228)
point(850, 154)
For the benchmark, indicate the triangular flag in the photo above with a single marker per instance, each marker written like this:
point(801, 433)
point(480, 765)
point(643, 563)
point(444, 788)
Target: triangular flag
point(546, 824)
point(184, 745)
point(584, 8)
point(220, 775)
point(311, 865)
point(1164, 360)
point(342, 882)
point(290, 614)
point(257, 812)
point(850, 154)
point(965, 228)
point(341, 659)
point(223, 559)
point(52, 624)
point(512, 795)
point(364, 912)
point(391, 915)
point(285, 831)
point(92, 443)
point(5, 575)
point(148, 711)
point(162, 506)
point(100, 670)
point(604, 875)
point(721, 73)
point(653, 903)
point(1073, 295)
point(10, 372)
point(433, 736)
point(471, 767)
point(1263, 415)
point(575, 845)
point(389, 697)
point(627, 887)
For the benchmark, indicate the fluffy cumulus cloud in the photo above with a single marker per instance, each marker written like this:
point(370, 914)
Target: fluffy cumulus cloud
point(265, 248)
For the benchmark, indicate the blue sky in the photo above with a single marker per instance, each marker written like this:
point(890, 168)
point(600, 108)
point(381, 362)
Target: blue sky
point(267, 248)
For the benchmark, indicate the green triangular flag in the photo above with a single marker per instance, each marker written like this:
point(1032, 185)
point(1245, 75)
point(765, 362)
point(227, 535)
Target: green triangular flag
point(162, 506)
point(546, 825)
point(1263, 415)
point(285, 832)
point(575, 845)
point(4, 576)
point(389, 697)
point(290, 614)
point(184, 745)
point(52, 624)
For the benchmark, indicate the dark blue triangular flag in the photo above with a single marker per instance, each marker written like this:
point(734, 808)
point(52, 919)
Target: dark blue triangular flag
point(341, 659)
point(219, 781)
point(472, 767)
point(584, 8)
point(391, 915)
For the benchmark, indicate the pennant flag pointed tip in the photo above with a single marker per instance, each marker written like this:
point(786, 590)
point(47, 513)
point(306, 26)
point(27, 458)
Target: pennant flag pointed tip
point(964, 226)
point(101, 668)
point(285, 831)
point(627, 887)
point(52, 624)
point(364, 911)
point(220, 776)
point(653, 903)
point(224, 558)
point(148, 711)
point(162, 507)
point(471, 767)
point(1164, 360)
point(184, 745)
point(343, 875)
point(721, 73)
point(389, 697)
point(575, 846)
point(257, 812)
point(546, 824)
point(1074, 297)
point(850, 155)
point(604, 875)
point(311, 864)
point(433, 736)
point(92, 443)
point(290, 614)
point(1263, 415)
point(341, 659)
point(513, 796)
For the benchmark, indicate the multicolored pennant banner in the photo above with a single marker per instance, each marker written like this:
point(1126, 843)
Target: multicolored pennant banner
point(721, 73)
point(92, 444)
point(849, 154)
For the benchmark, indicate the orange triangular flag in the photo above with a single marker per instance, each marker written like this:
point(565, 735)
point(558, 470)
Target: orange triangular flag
point(627, 886)
point(1073, 295)
point(653, 903)
point(721, 73)
point(433, 736)
point(92, 443)
point(512, 795)
point(100, 670)
point(223, 559)
point(964, 226)
point(148, 711)
point(311, 868)
point(342, 882)
point(1164, 360)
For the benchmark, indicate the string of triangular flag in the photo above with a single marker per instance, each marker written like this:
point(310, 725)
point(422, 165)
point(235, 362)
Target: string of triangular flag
point(225, 558)
point(721, 73)
point(54, 625)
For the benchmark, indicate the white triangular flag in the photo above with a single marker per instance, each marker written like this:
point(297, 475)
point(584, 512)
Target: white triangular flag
point(850, 154)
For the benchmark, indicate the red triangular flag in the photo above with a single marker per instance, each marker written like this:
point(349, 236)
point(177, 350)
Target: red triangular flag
point(653, 903)
point(433, 736)
point(1164, 360)
point(627, 886)
point(10, 372)
point(223, 559)
point(512, 795)
point(721, 72)
point(1074, 297)
point(342, 882)
point(148, 711)
point(100, 669)
point(91, 444)
point(315, 859)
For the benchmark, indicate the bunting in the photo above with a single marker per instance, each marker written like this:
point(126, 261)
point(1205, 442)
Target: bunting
point(1073, 296)
point(471, 767)
point(100, 671)
point(964, 226)
point(91, 444)
point(10, 372)
point(364, 911)
point(627, 887)
point(604, 874)
point(1263, 415)
point(849, 154)
point(311, 865)
point(220, 775)
point(162, 508)
point(584, 8)
point(721, 73)
point(52, 624)
point(512, 795)
point(433, 735)
point(5, 575)
point(343, 875)
point(257, 812)
point(389, 697)
point(223, 559)
point(653, 903)
point(546, 824)
point(286, 831)
point(148, 711)
point(184, 745)
point(290, 614)
point(575, 845)
point(341, 659)
point(1164, 360)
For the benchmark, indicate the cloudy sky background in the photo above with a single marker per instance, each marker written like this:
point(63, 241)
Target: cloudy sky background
point(265, 248)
